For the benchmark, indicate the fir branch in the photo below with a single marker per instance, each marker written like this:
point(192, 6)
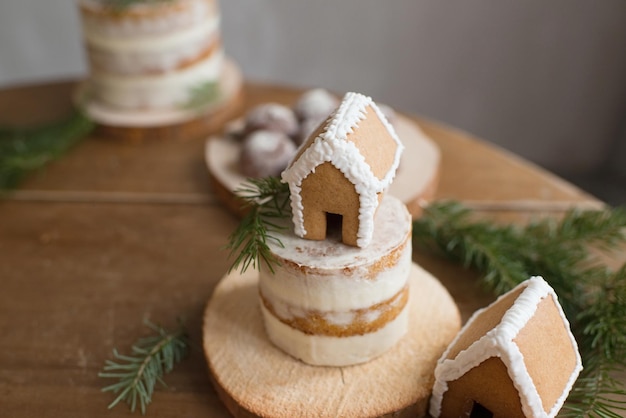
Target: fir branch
point(267, 202)
point(597, 393)
point(202, 95)
point(25, 149)
point(599, 329)
point(606, 298)
point(139, 373)
point(593, 297)
point(447, 230)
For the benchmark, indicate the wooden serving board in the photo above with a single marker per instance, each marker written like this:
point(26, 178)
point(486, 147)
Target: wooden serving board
point(170, 123)
point(415, 183)
point(254, 378)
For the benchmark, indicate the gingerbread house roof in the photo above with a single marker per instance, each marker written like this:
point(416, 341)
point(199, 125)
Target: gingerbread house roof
point(335, 144)
point(504, 322)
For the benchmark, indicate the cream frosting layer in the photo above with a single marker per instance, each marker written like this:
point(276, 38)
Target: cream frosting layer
point(335, 351)
point(138, 55)
point(293, 293)
point(330, 276)
point(500, 342)
point(143, 19)
point(334, 280)
point(155, 91)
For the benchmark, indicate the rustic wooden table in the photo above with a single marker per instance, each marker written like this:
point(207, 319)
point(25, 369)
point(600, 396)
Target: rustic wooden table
point(115, 232)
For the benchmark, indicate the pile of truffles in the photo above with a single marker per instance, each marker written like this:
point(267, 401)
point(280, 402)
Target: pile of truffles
point(272, 132)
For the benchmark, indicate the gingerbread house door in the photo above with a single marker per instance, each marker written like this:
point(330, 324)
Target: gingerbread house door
point(328, 191)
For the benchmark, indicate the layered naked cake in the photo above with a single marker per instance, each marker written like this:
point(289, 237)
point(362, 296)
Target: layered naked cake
point(339, 294)
point(152, 54)
point(327, 303)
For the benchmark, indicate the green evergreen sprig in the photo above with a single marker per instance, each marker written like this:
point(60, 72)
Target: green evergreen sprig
point(266, 201)
point(601, 333)
point(25, 149)
point(592, 296)
point(202, 95)
point(139, 373)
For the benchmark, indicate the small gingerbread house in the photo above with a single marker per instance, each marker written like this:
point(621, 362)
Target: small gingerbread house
point(343, 169)
point(515, 358)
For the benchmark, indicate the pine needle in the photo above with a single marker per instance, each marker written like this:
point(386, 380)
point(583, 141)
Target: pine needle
point(202, 95)
point(267, 201)
point(26, 149)
point(138, 374)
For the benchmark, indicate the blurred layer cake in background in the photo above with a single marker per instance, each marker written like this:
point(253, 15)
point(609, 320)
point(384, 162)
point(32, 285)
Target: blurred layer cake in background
point(152, 54)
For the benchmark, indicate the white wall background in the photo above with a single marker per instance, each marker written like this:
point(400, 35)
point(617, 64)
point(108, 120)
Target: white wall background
point(546, 79)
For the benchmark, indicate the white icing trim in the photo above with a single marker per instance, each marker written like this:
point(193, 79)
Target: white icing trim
point(499, 342)
point(332, 146)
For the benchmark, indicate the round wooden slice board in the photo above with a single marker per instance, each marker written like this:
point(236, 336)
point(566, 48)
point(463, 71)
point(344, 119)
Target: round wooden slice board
point(415, 183)
point(169, 123)
point(254, 378)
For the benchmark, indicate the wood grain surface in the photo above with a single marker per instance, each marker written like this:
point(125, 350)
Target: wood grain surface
point(117, 231)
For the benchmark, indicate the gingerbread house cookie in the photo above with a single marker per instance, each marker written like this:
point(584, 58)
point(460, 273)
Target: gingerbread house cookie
point(515, 358)
point(344, 168)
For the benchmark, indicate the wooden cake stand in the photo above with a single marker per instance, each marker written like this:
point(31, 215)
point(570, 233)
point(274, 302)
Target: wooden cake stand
point(166, 124)
point(415, 183)
point(254, 378)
